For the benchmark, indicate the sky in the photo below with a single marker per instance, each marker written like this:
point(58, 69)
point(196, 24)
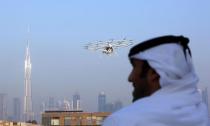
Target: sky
point(60, 29)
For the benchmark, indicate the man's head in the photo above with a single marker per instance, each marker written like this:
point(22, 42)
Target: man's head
point(144, 77)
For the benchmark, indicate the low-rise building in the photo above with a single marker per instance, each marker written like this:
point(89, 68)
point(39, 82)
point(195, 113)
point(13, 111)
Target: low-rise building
point(73, 118)
point(11, 123)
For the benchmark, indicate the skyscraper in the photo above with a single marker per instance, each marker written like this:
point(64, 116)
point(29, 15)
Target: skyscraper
point(28, 113)
point(76, 101)
point(16, 109)
point(51, 104)
point(3, 106)
point(66, 105)
point(102, 102)
point(118, 105)
point(204, 93)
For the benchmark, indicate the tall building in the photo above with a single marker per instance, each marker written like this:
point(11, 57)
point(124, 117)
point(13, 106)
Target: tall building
point(118, 105)
point(102, 102)
point(16, 109)
point(110, 107)
point(28, 113)
point(58, 105)
point(205, 96)
point(76, 102)
point(3, 107)
point(42, 107)
point(51, 104)
point(204, 93)
point(66, 105)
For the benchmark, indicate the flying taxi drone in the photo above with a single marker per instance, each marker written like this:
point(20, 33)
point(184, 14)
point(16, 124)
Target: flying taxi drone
point(107, 47)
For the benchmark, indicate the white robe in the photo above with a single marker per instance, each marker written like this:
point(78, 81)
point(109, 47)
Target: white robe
point(177, 103)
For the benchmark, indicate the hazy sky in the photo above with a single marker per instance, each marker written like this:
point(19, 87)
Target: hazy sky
point(60, 29)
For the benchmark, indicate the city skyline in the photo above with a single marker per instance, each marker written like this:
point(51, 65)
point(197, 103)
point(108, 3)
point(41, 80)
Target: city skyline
point(51, 104)
point(59, 31)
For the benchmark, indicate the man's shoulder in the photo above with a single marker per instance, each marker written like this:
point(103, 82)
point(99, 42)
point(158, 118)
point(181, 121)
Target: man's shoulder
point(120, 118)
point(126, 116)
point(131, 109)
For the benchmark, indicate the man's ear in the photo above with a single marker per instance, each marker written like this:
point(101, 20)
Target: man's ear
point(153, 76)
point(153, 80)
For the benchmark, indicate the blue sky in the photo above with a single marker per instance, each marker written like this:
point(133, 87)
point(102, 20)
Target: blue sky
point(60, 29)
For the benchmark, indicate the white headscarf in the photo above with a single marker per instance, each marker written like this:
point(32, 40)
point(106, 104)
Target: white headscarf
point(177, 103)
point(170, 62)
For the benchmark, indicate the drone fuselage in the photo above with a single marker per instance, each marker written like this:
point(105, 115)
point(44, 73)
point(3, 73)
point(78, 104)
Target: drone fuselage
point(108, 50)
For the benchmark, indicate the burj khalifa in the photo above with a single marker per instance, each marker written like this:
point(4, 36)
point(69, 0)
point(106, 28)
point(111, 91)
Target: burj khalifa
point(28, 113)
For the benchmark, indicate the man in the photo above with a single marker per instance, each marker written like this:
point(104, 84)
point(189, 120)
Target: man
point(165, 86)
